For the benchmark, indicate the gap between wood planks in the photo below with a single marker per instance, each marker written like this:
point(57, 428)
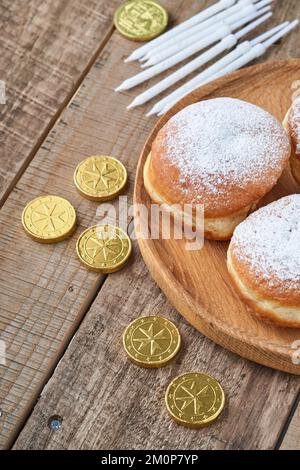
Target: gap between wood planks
point(55, 119)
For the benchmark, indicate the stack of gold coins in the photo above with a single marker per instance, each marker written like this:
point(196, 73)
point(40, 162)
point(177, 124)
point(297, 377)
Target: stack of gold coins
point(141, 20)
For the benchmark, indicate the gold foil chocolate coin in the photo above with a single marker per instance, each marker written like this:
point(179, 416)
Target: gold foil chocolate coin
point(141, 20)
point(104, 248)
point(151, 341)
point(49, 219)
point(195, 399)
point(100, 178)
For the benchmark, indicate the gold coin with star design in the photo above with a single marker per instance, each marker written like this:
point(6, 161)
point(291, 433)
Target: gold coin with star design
point(49, 219)
point(195, 399)
point(151, 341)
point(100, 177)
point(103, 248)
point(141, 20)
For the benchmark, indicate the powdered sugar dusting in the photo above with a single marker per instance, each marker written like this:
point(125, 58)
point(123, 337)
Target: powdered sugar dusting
point(224, 142)
point(269, 241)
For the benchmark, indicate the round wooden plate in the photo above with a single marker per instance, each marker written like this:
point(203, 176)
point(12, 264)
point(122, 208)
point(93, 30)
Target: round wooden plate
point(197, 282)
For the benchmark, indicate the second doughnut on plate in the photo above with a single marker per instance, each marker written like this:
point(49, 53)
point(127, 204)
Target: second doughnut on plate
point(223, 153)
point(264, 261)
point(292, 125)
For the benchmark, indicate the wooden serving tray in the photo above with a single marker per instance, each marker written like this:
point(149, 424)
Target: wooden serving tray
point(197, 283)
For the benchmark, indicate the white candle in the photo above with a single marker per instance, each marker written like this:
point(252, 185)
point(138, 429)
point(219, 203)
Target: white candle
point(253, 53)
point(208, 74)
point(181, 44)
point(220, 33)
point(227, 43)
point(203, 15)
point(212, 21)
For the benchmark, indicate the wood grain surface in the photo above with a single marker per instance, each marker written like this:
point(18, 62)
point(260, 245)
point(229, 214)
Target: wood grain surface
point(197, 283)
point(121, 406)
point(46, 49)
point(45, 294)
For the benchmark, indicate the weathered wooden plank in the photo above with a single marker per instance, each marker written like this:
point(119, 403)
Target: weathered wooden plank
point(120, 406)
point(44, 290)
point(46, 48)
point(291, 440)
point(94, 372)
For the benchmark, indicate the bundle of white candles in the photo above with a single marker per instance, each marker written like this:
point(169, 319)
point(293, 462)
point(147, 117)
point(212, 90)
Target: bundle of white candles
point(218, 26)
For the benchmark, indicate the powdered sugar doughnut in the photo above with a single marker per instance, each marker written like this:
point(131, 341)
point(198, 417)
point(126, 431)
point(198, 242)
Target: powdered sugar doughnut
point(292, 125)
point(223, 153)
point(264, 261)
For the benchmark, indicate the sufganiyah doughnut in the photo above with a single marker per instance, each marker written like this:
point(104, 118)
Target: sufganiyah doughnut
point(264, 261)
point(292, 125)
point(224, 153)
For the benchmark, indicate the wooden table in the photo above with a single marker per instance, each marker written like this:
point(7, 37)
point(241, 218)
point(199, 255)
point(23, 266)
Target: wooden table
point(62, 326)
